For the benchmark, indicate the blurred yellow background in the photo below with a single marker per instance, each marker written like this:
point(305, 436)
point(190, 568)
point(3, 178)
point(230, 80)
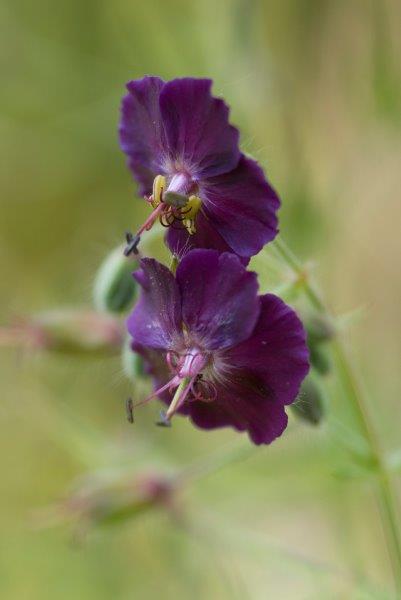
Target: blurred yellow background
point(314, 86)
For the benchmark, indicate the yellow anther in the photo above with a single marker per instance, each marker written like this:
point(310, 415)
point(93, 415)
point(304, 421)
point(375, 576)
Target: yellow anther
point(189, 226)
point(190, 211)
point(192, 207)
point(159, 185)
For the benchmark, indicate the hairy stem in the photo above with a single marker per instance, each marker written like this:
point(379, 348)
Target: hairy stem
point(356, 398)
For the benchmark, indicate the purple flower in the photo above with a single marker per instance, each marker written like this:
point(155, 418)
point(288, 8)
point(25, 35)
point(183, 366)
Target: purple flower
point(217, 351)
point(185, 156)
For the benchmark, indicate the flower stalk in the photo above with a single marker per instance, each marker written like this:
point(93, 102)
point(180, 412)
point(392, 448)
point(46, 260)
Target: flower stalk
point(357, 400)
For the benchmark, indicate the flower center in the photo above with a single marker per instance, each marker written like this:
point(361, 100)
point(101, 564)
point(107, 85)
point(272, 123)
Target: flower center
point(187, 382)
point(171, 204)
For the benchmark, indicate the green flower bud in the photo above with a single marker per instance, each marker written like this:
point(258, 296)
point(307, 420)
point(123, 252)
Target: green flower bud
point(72, 331)
point(310, 404)
point(115, 288)
point(319, 358)
point(319, 328)
point(132, 362)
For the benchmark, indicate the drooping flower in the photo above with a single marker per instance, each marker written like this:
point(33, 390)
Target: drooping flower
point(217, 351)
point(184, 154)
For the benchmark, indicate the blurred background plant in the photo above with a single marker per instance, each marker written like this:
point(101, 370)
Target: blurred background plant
point(315, 87)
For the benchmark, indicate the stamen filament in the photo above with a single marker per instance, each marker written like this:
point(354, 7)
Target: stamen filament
point(152, 218)
point(173, 382)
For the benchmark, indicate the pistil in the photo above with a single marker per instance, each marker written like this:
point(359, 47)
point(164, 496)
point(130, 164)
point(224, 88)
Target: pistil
point(179, 397)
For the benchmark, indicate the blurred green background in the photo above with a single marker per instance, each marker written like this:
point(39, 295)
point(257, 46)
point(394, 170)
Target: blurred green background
point(314, 86)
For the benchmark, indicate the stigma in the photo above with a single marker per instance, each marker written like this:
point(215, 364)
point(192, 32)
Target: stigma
point(171, 204)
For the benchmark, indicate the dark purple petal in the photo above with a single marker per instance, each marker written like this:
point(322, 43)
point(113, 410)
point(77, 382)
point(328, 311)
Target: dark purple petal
point(241, 405)
point(143, 176)
point(156, 318)
point(219, 298)
point(199, 137)
point(276, 352)
point(141, 129)
point(180, 242)
point(242, 207)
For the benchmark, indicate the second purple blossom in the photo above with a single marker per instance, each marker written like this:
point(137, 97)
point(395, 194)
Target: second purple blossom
point(217, 351)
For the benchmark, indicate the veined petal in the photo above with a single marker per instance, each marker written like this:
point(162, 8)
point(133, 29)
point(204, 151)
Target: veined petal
point(219, 298)
point(276, 353)
point(142, 130)
point(181, 242)
point(244, 407)
point(156, 319)
point(198, 135)
point(242, 207)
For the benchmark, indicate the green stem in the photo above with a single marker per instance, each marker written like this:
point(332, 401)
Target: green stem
point(228, 455)
point(298, 269)
point(354, 393)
